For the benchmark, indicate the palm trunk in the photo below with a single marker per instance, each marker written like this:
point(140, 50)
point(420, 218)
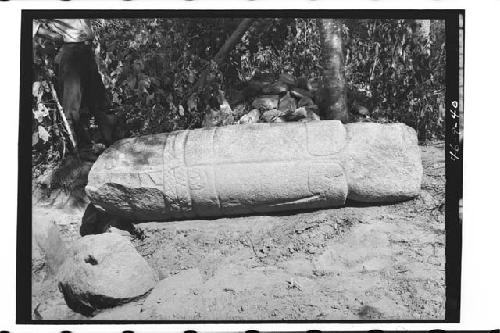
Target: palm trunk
point(423, 30)
point(333, 104)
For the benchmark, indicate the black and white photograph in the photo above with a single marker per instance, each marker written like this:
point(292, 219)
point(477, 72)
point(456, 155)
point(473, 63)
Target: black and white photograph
point(241, 166)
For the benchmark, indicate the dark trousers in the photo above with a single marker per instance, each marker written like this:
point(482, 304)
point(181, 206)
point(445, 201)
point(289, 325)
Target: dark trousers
point(83, 93)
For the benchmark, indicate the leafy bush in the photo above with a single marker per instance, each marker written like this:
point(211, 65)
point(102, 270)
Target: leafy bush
point(48, 138)
point(279, 45)
point(401, 73)
point(150, 68)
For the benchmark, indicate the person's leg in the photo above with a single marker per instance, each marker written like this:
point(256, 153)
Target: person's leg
point(71, 81)
point(99, 105)
point(85, 106)
point(105, 123)
point(84, 127)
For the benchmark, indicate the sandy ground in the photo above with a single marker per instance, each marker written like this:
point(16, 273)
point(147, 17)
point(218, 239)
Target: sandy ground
point(357, 262)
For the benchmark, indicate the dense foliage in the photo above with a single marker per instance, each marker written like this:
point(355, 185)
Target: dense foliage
point(402, 73)
point(48, 136)
point(150, 68)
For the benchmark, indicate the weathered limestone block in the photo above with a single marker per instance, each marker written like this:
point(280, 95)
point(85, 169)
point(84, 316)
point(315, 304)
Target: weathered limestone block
point(256, 168)
point(266, 102)
point(382, 162)
point(103, 271)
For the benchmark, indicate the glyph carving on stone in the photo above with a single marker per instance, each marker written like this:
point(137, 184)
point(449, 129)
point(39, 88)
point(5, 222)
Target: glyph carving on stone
point(256, 168)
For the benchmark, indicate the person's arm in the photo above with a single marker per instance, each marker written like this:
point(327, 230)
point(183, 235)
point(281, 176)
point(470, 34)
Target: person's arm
point(40, 30)
point(36, 25)
point(90, 31)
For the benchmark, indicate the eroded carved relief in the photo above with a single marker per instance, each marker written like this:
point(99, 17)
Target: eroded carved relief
point(262, 168)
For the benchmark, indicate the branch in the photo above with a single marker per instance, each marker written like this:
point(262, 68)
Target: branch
point(63, 116)
point(224, 51)
point(233, 40)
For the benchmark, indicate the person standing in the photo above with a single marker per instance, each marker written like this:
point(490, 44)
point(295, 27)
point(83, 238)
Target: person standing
point(83, 93)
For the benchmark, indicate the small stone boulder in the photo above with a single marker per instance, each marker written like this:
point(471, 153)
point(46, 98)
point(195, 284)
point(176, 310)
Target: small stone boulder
point(271, 115)
point(287, 104)
point(251, 117)
point(275, 88)
point(302, 114)
point(288, 79)
point(300, 93)
point(103, 271)
point(266, 102)
point(305, 101)
point(48, 245)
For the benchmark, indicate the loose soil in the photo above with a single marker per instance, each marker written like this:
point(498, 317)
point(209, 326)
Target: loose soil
point(359, 262)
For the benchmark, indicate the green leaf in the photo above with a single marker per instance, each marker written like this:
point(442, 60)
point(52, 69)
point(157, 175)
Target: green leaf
point(41, 112)
point(43, 134)
point(34, 138)
point(36, 88)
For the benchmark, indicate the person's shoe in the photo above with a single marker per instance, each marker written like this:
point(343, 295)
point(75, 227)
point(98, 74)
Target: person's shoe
point(87, 154)
point(98, 148)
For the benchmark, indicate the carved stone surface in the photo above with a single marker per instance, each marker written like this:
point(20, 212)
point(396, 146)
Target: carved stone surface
point(256, 168)
point(382, 162)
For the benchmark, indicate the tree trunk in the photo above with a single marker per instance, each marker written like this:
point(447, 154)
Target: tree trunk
point(232, 40)
point(333, 99)
point(224, 50)
point(423, 30)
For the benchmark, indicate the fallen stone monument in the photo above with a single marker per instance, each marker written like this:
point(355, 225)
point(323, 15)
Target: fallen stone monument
point(256, 168)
